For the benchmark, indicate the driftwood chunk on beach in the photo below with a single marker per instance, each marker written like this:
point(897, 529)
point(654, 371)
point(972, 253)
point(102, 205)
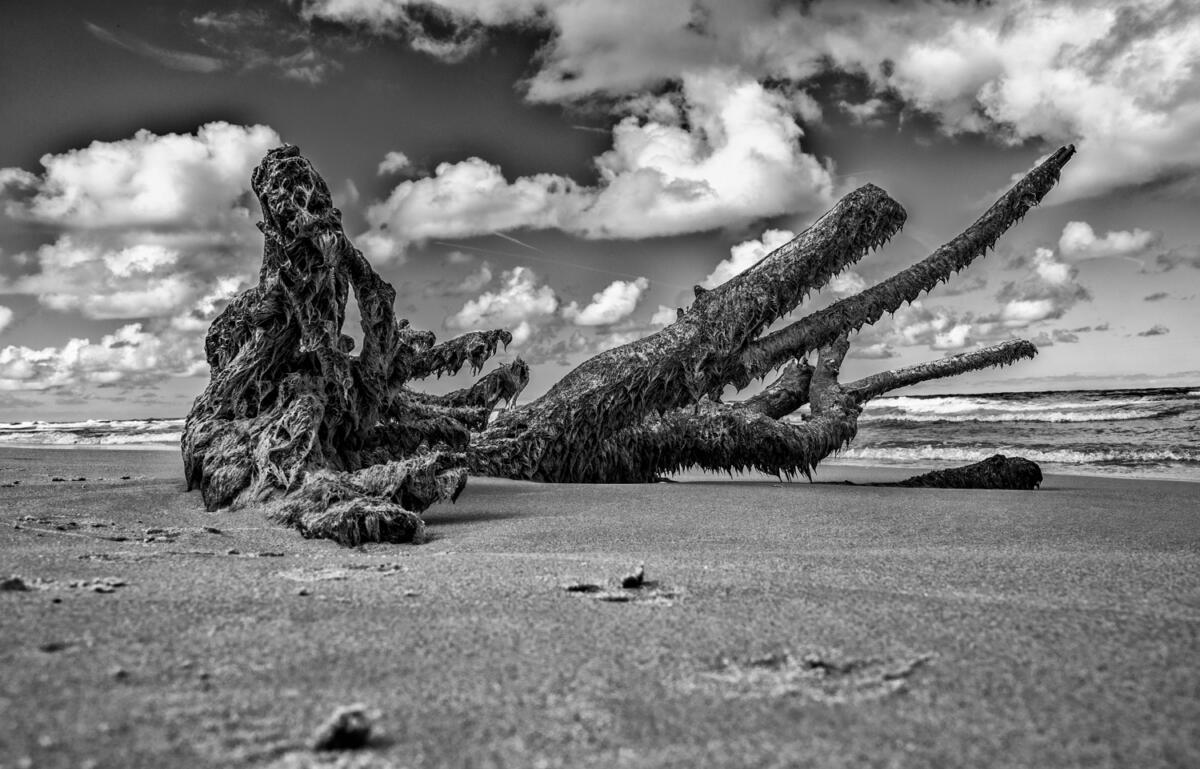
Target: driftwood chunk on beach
point(995, 472)
point(337, 445)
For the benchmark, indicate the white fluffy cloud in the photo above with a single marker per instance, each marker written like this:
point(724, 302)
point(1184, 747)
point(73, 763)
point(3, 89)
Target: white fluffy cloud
point(128, 355)
point(728, 154)
point(518, 305)
point(615, 302)
point(1079, 241)
point(663, 316)
point(177, 180)
point(847, 282)
point(745, 255)
point(151, 227)
point(918, 325)
point(1117, 78)
point(475, 281)
point(1047, 290)
point(394, 163)
point(1045, 293)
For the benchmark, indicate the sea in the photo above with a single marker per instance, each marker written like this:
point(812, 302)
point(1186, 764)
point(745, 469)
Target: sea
point(1148, 433)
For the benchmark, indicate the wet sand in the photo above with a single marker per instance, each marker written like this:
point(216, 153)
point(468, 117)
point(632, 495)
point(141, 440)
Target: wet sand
point(788, 624)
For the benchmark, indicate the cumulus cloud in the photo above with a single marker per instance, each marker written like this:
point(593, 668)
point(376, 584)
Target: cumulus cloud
point(730, 155)
point(1079, 241)
point(151, 227)
point(520, 304)
point(1045, 293)
point(6, 316)
point(663, 316)
point(917, 324)
point(847, 282)
point(1115, 78)
point(476, 281)
point(188, 181)
point(745, 255)
point(876, 351)
point(615, 302)
point(129, 355)
point(394, 162)
point(1157, 329)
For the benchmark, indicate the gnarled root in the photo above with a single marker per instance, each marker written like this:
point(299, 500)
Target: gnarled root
point(375, 504)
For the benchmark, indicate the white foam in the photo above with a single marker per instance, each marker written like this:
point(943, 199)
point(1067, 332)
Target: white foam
point(963, 405)
point(929, 452)
point(63, 438)
point(1046, 416)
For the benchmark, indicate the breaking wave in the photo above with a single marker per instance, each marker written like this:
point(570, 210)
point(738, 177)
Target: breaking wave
point(131, 433)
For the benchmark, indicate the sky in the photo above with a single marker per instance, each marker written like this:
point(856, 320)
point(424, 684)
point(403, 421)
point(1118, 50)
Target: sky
point(570, 169)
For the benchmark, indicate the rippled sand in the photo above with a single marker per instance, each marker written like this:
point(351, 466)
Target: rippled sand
point(778, 625)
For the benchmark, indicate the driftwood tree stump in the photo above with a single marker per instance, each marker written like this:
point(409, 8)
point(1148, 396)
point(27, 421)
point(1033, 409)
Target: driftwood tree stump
point(335, 441)
point(337, 445)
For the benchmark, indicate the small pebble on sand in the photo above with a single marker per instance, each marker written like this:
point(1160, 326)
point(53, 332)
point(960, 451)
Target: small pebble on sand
point(349, 728)
point(13, 583)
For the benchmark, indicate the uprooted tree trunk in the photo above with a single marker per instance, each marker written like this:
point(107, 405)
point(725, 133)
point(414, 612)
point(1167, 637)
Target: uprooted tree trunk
point(339, 446)
point(597, 424)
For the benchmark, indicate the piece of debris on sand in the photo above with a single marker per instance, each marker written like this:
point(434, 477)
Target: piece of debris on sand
point(636, 579)
point(634, 588)
point(349, 728)
point(99, 584)
point(14, 583)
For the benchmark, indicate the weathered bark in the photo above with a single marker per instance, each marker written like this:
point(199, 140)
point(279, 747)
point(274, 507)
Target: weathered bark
point(745, 435)
point(289, 412)
point(783, 396)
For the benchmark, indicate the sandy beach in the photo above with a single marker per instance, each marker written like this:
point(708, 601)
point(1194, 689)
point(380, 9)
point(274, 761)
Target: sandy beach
point(789, 624)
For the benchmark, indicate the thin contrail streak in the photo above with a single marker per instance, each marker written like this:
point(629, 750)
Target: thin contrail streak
point(511, 239)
